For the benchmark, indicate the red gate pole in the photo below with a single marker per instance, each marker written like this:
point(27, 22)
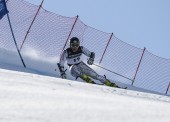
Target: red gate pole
point(70, 33)
point(167, 88)
point(31, 24)
point(106, 48)
point(139, 65)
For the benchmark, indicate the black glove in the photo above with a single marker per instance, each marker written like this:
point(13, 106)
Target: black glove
point(62, 71)
point(63, 75)
point(90, 61)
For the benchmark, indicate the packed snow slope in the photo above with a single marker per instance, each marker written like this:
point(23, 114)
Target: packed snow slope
point(35, 94)
point(27, 97)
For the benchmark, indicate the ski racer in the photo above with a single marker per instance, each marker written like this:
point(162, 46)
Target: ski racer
point(78, 69)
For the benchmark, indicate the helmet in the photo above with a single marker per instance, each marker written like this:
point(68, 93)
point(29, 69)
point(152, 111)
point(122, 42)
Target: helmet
point(74, 42)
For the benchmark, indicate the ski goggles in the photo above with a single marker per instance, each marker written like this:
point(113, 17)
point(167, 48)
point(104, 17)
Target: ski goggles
point(74, 45)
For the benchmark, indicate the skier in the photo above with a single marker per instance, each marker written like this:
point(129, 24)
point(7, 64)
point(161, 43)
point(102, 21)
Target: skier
point(78, 69)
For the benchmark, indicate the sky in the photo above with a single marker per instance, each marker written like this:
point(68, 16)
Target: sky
point(141, 23)
point(31, 97)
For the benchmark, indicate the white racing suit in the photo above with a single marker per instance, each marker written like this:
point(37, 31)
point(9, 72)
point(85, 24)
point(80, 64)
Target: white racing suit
point(77, 66)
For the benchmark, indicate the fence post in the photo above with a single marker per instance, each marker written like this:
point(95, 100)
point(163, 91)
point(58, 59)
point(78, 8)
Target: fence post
point(139, 65)
point(31, 24)
point(167, 88)
point(106, 48)
point(70, 32)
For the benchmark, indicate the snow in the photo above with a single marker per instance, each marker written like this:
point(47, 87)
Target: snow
point(28, 95)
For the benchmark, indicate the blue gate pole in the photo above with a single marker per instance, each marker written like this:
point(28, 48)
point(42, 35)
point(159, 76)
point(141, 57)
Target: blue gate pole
point(15, 41)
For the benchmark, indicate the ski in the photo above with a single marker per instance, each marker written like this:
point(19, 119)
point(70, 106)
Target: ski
point(122, 87)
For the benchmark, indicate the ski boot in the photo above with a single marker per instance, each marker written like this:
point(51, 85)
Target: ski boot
point(87, 79)
point(109, 83)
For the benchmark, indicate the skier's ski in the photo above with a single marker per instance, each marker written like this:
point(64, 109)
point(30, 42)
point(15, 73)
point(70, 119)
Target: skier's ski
point(122, 87)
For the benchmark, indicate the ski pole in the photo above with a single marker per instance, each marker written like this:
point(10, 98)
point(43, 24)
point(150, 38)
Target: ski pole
point(113, 72)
